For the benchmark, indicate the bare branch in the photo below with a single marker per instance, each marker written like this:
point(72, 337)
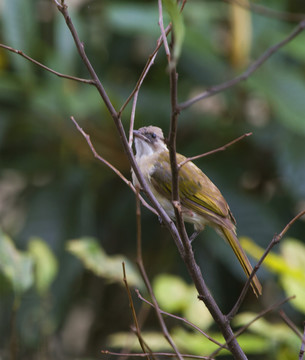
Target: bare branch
point(147, 66)
point(260, 315)
point(302, 350)
point(21, 53)
point(252, 68)
point(290, 324)
point(222, 148)
point(163, 34)
point(276, 239)
point(143, 345)
point(141, 267)
point(107, 163)
point(181, 319)
point(107, 352)
point(265, 11)
point(189, 258)
point(117, 121)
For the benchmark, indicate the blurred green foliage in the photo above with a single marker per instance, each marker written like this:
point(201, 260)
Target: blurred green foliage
point(52, 190)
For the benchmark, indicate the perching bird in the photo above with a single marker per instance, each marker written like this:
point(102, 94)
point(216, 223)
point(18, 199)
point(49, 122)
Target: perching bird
point(201, 201)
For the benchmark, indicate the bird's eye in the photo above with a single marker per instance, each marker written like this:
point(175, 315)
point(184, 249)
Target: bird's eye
point(153, 135)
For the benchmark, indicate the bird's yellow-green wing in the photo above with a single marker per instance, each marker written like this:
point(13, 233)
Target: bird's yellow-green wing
point(196, 190)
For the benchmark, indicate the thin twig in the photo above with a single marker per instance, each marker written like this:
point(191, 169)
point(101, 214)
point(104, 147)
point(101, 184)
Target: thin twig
point(290, 324)
point(265, 11)
point(107, 163)
point(222, 148)
point(142, 269)
point(252, 68)
point(260, 315)
point(302, 350)
point(118, 123)
point(276, 239)
point(142, 343)
point(21, 53)
point(181, 319)
point(163, 34)
point(171, 355)
point(189, 258)
point(147, 66)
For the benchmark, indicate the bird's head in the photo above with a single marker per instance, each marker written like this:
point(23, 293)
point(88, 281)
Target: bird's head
point(149, 140)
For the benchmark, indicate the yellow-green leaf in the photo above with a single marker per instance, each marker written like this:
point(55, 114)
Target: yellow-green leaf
point(94, 258)
point(46, 266)
point(16, 266)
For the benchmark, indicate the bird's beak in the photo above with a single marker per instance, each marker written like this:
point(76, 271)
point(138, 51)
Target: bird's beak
point(139, 135)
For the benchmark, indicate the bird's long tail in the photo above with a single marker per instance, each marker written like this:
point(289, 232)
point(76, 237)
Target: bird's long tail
point(231, 237)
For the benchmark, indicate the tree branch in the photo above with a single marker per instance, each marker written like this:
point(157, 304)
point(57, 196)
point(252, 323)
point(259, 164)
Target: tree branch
point(290, 324)
point(107, 352)
point(276, 239)
point(189, 258)
point(252, 68)
point(258, 316)
point(19, 52)
point(222, 148)
point(182, 320)
point(108, 164)
point(143, 345)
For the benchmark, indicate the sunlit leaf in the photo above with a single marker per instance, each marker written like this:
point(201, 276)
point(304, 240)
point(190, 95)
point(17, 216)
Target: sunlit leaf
point(194, 342)
point(171, 292)
point(174, 295)
point(95, 259)
point(46, 265)
point(274, 332)
point(17, 266)
point(155, 340)
point(290, 266)
point(294, 284)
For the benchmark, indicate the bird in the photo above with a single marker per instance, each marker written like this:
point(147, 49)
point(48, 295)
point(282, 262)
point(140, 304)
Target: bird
point(201, 201)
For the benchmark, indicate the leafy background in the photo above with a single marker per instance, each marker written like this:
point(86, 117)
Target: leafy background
point(67, 221)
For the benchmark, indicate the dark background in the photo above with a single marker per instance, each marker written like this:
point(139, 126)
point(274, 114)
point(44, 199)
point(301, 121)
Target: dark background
point(51, 186)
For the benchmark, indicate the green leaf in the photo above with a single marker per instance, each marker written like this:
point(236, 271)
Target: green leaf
point(176, 17)
point(15, 265)
point(294, 282)
point(46, 265)
point(195, 343)
point(174, 295)
point(171, 292)
point(290, 266)
point(155, 340)
point(95, 259)
point(272, 332)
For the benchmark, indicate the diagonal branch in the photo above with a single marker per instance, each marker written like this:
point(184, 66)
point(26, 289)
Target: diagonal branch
point(276, 239)
point(21, 53)
point(290, 323)
point(222, 148)
point(183, 320)
point(107, 163)
point(252, 68)
point(169, 355)
point(143, 345)
point(62, 7)
point(258, 316)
